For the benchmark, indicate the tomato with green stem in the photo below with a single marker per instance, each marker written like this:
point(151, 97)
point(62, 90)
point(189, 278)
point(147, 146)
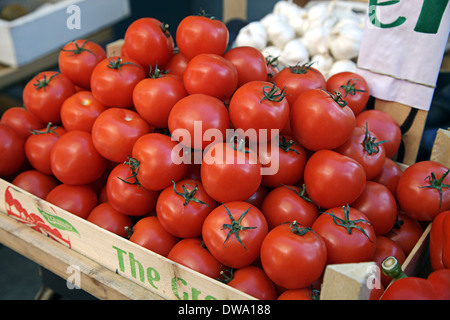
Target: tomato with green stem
point(389, 175)
point(440, 241)
point(293, 256)
point(300, 294)
point(78, 58)
point(12, 150)
point(106, 217)
point(183, 207)
point(233, 232)
point(406, 232)
point(22, 121)
point(35, 182)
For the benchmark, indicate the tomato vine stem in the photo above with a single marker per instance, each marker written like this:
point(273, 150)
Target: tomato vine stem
point(235, 226)
point(349, 88)
point(188, 195)
point(370, 146)
point(437, 184)
point(78, 49)
point(44, 82)
point(133, 163)
point(48, 129)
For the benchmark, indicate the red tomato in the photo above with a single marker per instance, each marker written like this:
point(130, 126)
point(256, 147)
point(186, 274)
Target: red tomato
point(320, 120)
point(149, 42)
point(199, 120)
point(39, 145)
point(21, 121)
point(149, 233)
point(289, 160)
point(386, 247)
point(233, 233)
point(293, 257)
point(348, 235)
point(156, 153)
point(113, 81)
point(12, 150)
point(35, 182)
point(79, 200)
point(192, 253)
point(406, 232)
point(440, 241)
point(126, 194)
point(74, 159)
point(423, 190)
point(379, 205)
point(298, 79)
point(78, 58)
point(333, 179)
point(258, 197)
point(183, 207)
point(210, 74)
point(389, 175)
point(177, 64)
point(44, 95)
point(249, 62)
point(230, 172)
point(110, 219)
point(253, 281)
point(288, 203)
point(197, 34)
point(384, 127)
point(364, 148)
point(258, 108)
point(79, 111)
point(440, 279)
point(299, 294)
point(154, 97)
point(115, 131)
point(353, 87)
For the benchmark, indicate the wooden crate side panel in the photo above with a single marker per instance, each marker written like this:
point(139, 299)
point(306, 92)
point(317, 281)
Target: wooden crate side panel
point(150, 270)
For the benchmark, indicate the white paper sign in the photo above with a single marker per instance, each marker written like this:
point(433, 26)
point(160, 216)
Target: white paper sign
point(402, 49)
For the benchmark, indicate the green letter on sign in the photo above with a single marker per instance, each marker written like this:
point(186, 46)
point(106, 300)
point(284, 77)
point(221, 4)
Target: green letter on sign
point(431, 16)
point(373, 14)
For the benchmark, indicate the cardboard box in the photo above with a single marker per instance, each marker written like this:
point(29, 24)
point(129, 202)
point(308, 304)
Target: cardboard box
point(53, 24)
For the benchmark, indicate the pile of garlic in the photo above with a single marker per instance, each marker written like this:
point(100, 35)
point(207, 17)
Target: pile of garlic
point(327, 33)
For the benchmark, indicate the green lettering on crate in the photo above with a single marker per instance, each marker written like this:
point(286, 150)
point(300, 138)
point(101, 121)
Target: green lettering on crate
point(120, 253)
point(133, 264)
point(152, 276)
point(430, 16)
point(373, 4)
point(175, 288)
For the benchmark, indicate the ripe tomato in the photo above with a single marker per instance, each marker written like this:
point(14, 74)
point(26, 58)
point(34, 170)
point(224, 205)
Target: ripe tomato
point(177, 64)
point(406, 232)
point(440, 241)
point(410, 288)
point(115, 131)
point(79, 111)
point(183, 207)
point(289, 160)
point(293, 257)
point(253, 281)
point(249, 62)
point(74, 159)
point(39, 145)
point(44, 95)
point(440, 279)
point(230, 172)
point(299, 294)
point(288, 203)
point(353, 87)
point(384, 127)
point(12, 150)
point(113, 81)
point(257, 198)
point(330, 122)
point(379, 205)
point(78, 58)
point(333, 179)
point(423, 190)
point(21, 121)
point(106, 217)
point(79, 200)
point(260, 109)
point(364, 147)
point(35, 182)
point(154, 97)
point(233, 233)
point(198, 34)
point(347, 233)
point(195, 116)
point(298, 79)
point(149, 42)
point(149, 233)
point(386, 247)
point(192, 253)
point(389, 175)
point(156, 153)
point(126, 194)
point(210, 74)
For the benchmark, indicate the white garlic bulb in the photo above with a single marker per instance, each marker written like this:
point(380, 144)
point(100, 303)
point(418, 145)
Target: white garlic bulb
point(294, 53)
point(253, 34)
point(344, 40)
point(322, 62)
point(279, 33)
point(341, 66)
point(316, 40)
